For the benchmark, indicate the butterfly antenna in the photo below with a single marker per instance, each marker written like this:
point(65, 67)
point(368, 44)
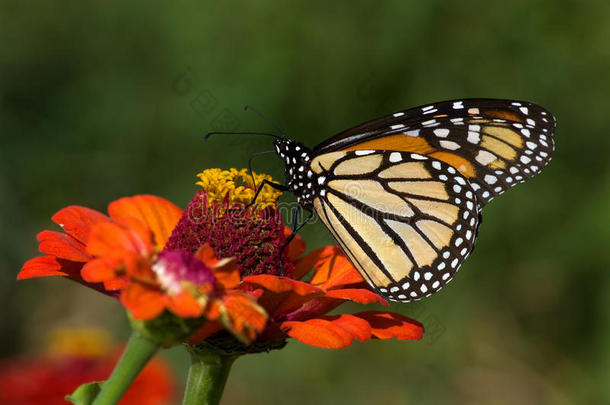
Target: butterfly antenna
point(270, 121)
point(209, 134)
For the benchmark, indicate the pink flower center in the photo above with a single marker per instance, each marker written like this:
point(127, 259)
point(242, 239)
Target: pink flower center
point(173, 268)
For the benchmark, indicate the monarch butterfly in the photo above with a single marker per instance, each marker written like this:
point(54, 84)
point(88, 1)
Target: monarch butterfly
point(402, 194)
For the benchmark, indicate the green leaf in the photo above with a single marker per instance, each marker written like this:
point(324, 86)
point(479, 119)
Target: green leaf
point(85, 394)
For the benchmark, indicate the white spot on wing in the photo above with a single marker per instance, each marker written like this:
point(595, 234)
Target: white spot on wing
point(364, 152)
point(484, 157)
point(473, 137)
point(395, 157)
point(489, 179)
point(449, 145)
point(441, 132)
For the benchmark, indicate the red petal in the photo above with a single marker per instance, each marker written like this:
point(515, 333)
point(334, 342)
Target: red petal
point(77, 221)
point(144, 303)
point(319, 333)
point(358, 327)
point(359, 295)
point(160, 215)
point(386, 325)
point(41, 267)
point(62, 246)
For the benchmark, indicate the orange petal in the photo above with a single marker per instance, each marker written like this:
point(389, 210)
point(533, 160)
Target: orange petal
point(281, 284)
point(116, 284)
point(246, 318)
point(358, 327)
point(160, 215)
point(386, 325)
point(41, 267)
point(185, 305)
point(313, 260)
point(227, 273)
point(113, 240)
point(61, 245)
point(296, 247)
point(143, 302)
point(359, 295)
point(333, 269)
point(212, 311)
point(282, 295)
point(206, 255)
point(319, 333)
point(207, 330)
point(77, 221)
point(138, 267)
point(225, 270)
point(97, 271)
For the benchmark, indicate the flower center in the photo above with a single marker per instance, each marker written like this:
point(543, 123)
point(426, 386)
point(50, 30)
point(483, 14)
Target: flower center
point(221, 216)
point(237, 187)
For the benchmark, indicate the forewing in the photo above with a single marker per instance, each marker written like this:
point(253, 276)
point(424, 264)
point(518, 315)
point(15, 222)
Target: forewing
point(495, 144)
point(406, 221)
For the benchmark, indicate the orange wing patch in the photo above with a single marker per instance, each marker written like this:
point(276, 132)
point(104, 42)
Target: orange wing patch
point(399, 142)
point(503, 114)
point(414, 144)
point(463, 165)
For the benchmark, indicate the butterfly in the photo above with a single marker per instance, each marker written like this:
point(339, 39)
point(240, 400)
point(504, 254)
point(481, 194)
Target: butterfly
point(402, 194)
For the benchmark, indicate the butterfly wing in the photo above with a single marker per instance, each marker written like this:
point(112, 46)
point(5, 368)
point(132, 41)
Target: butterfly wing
point(406, 221)
point(495, 144)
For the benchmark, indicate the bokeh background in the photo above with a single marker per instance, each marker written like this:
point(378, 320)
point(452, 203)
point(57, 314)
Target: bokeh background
point(108, 99)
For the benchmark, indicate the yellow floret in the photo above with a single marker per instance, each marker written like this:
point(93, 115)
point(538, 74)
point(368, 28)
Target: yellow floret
point(86, 342)
point(237, 184)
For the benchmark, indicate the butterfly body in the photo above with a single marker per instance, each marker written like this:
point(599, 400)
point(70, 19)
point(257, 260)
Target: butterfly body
point(402, 194)
point(300, 178)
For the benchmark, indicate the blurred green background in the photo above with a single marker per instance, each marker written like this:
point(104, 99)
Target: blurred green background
point(105, 100)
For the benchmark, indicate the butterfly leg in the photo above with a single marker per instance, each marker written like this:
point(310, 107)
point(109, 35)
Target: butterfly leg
point(264, 183)
point(295, 228)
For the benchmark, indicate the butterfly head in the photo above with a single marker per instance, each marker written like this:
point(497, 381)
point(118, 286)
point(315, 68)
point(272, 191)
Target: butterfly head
point(299, 177)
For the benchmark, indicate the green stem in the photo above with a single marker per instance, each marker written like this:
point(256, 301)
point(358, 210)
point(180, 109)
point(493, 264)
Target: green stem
point(207, 377)
point(137, 353)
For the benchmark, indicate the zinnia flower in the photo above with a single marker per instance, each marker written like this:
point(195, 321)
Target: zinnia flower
point(218, 274)
point(155, 257)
